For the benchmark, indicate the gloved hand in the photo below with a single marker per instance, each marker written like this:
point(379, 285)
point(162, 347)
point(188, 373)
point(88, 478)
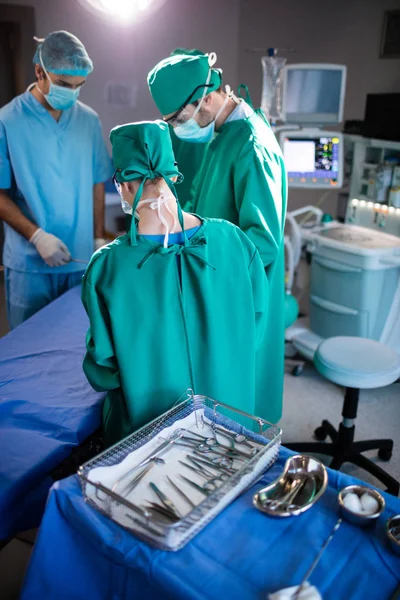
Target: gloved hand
point(99, 243)
point(53, 251)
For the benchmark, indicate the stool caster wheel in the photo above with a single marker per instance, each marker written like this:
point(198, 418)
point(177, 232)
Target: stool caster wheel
point(320, 434)
point(297, 370)
point(385, 454)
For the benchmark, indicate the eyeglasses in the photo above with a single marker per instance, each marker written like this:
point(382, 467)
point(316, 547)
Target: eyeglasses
point(116, 183)
point(170, 120)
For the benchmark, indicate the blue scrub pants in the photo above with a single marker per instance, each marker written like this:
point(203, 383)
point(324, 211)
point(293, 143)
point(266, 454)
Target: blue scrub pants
point(27, 293)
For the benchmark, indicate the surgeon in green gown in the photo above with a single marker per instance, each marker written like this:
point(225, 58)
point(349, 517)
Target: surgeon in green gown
point(242, 179)
point(177, 303)
point(188, 156)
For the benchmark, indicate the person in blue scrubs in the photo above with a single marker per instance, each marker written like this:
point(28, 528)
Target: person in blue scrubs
point(53, 165)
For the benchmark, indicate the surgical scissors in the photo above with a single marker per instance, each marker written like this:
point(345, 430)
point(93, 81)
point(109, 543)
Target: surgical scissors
point(237, 438)
point(206, 443)
point(234, 438)
point(210, 441)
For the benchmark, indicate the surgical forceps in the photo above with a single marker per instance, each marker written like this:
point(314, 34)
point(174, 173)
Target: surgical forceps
point(211, 479)
point(207, 448)
point(127, 489)
point(178, 489)
point(208, 463)
point(158, 451)
point(224, 461)
point(157, 510)
point(198, 487)
point(165, 500)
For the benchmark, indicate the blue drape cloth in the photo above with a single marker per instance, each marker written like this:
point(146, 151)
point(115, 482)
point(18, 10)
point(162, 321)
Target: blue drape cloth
point(241, 555)
point(47, 407)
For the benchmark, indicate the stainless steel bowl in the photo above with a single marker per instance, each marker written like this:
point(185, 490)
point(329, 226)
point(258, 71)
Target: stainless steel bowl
point(305, 476)
point(393, 533)
point(362, 520)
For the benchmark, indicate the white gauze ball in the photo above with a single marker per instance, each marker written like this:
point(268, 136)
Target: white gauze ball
point(352, 502)
point(369, 504)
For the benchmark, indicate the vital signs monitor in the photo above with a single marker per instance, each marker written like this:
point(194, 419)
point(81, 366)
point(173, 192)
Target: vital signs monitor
point(313, 158)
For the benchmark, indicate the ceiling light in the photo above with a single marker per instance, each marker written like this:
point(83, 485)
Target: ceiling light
point(122, 10)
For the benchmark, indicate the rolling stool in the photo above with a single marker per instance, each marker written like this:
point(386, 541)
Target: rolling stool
point(355, 363)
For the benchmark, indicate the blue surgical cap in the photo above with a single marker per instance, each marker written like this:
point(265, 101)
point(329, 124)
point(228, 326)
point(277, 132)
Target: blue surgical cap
point(63, 54)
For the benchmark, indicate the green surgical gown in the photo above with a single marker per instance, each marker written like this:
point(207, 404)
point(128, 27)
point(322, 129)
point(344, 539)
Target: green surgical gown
point(189, 157)
point(243, 180)
point(165, 320)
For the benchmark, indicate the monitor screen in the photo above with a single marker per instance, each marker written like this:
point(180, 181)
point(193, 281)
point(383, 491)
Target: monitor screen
point(313, 94)
point(313, 161)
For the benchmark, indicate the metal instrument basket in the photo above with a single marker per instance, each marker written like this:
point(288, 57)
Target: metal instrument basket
point(175, 536)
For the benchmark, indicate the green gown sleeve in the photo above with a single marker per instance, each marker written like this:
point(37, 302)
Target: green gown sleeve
point(260, 295)
point(260, 195)
point(100, 364)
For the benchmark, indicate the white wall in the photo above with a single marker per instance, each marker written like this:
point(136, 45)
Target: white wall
point(126, 53)
point(342, 31)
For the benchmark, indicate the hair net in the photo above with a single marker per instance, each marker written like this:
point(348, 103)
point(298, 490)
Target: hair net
point(63, 54)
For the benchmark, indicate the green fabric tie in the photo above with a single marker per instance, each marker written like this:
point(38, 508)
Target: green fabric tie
point(191, 248)
point(247, 98)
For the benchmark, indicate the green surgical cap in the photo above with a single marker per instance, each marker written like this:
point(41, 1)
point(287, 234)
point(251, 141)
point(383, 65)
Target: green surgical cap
point(192, 52)
point(143, 150)
point(63, 54)
point(180, 79)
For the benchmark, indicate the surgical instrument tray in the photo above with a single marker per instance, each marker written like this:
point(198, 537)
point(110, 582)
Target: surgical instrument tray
point(197, 412)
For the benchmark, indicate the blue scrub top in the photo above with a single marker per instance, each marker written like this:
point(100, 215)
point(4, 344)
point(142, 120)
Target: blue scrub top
point(50, 168)
point(174, 238)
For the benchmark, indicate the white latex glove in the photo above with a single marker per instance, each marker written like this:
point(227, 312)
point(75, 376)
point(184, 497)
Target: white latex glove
point(99, 243)
point(309, 592)
point(53, 251)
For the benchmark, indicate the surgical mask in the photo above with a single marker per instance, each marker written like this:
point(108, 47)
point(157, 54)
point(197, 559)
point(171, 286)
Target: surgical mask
point(59, 98)
point(191, 131)
point(157, 204)
point(127, 208)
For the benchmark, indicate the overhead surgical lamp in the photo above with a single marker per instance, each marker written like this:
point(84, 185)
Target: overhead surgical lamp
point(124, 11)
